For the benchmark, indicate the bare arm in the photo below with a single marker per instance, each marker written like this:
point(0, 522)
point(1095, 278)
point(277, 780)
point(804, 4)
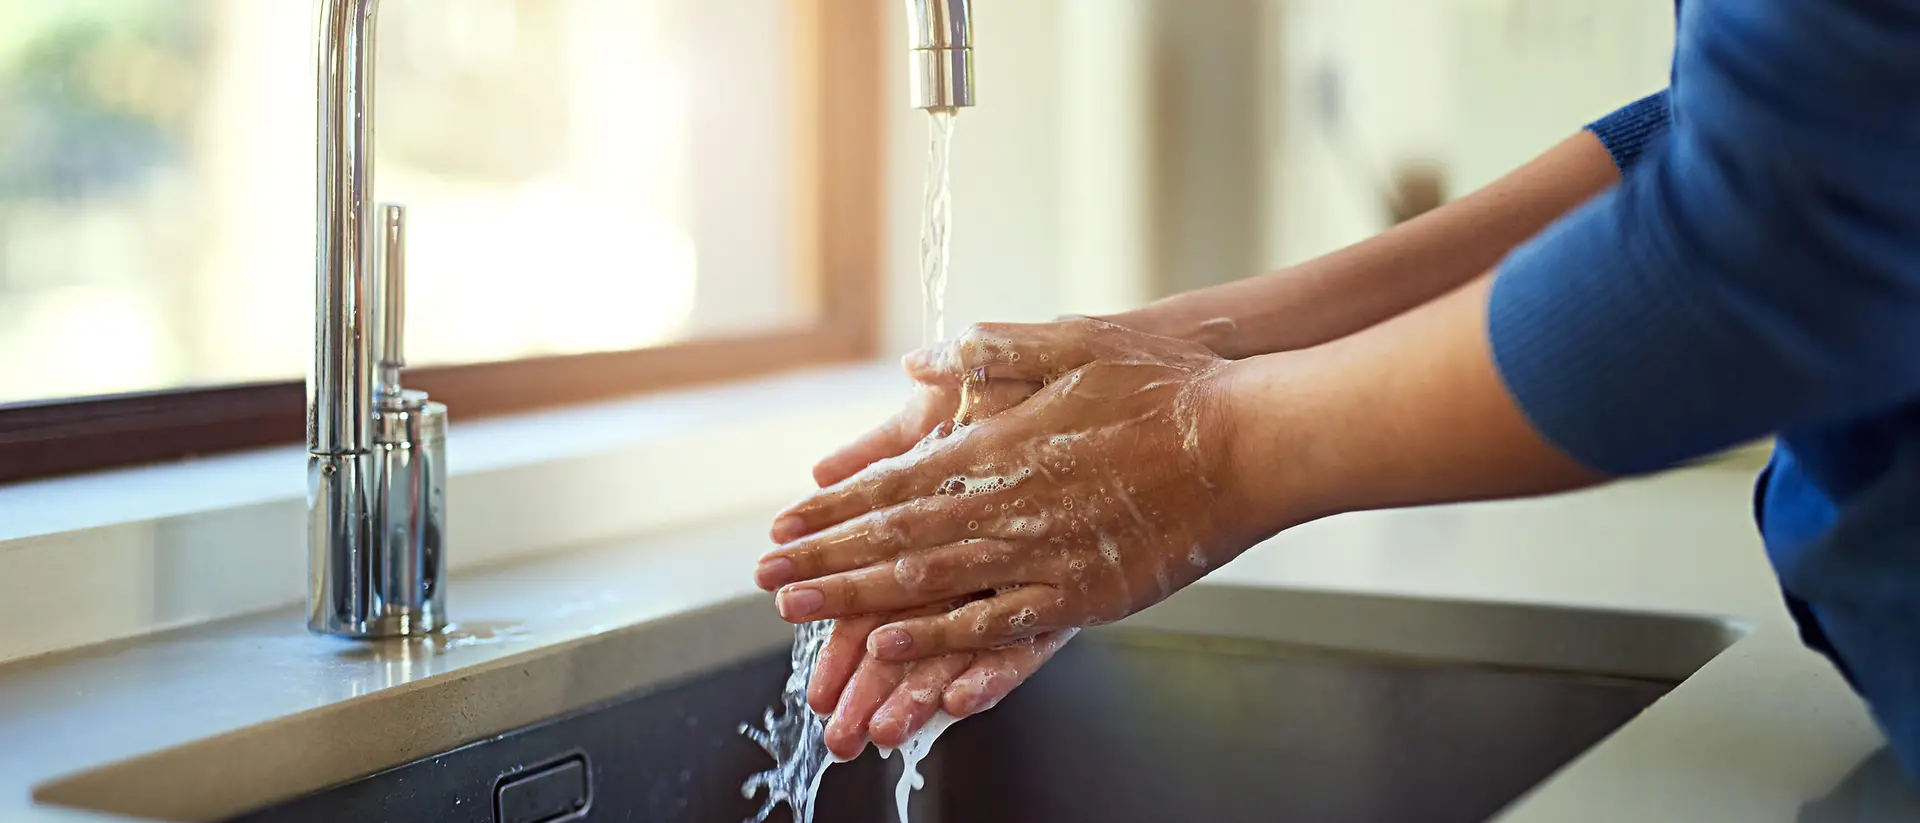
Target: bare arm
point(1409, 412)
point(1352, 289)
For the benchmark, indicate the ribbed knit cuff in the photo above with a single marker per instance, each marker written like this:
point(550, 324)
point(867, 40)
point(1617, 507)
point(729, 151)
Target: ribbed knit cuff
point(1627, 132)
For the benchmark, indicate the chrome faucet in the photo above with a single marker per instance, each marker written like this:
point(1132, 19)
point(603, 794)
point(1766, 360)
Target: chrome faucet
point(940, 43)
point(376, 452)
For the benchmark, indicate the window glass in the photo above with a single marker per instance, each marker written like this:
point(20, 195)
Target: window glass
point(580, 175)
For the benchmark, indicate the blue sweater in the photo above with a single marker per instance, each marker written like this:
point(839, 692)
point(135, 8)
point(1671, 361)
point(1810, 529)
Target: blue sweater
point(1758, 272)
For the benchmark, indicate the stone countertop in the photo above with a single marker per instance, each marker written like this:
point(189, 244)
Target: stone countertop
point(1765, 732)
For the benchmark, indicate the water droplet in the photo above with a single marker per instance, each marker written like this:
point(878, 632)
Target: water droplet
point(973, 525)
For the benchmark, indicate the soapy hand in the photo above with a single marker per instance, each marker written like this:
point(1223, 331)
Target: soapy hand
point(1101, 495)
point(890, 701)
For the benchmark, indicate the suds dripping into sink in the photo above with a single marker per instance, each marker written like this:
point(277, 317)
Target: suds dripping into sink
point(795, 736)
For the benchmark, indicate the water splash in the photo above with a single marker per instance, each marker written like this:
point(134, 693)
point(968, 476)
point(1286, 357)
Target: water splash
point(936, 222)
point(794, 736)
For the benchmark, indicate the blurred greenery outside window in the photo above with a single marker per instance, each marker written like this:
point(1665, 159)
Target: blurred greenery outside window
point(581, 175)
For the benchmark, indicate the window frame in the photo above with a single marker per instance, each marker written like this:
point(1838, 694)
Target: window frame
point(838, 80)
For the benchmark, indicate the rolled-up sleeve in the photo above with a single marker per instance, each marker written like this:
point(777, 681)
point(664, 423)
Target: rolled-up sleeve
point(1629, 131)
point(1759, 269)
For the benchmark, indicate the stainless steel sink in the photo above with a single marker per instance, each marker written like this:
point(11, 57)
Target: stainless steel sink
point(1222, 704)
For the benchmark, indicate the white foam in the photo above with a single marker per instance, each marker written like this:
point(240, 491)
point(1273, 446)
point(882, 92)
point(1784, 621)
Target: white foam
point(911, 754)
point(964, 486)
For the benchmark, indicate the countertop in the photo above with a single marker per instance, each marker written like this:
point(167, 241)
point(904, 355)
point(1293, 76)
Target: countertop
point(1765, 732)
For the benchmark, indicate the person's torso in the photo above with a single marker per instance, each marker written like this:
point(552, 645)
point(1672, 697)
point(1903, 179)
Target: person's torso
point(1839, 509)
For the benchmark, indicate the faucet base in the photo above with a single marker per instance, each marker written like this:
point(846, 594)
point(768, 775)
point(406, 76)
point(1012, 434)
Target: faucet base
point(388, 627)
point(377, 528)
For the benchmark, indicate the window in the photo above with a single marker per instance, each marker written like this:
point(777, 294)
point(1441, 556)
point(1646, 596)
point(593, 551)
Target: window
point(605, 196)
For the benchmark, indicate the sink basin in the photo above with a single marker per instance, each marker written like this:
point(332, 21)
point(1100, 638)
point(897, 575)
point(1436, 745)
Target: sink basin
point(1221, 704)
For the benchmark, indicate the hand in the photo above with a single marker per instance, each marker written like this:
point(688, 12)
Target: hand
point(1101, 495)
point(932, 404)
point(890, 701)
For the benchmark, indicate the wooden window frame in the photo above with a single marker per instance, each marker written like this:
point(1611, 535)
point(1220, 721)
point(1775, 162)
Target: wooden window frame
point(840, 120)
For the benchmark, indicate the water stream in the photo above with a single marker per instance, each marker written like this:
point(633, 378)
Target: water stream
point(936, 228)
point(794, 735)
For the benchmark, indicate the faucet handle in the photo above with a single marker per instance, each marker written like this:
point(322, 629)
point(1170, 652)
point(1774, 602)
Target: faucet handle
point(390, 300)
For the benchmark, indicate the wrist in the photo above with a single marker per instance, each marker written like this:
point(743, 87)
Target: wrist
point(1178, 318)
point(1270, 457)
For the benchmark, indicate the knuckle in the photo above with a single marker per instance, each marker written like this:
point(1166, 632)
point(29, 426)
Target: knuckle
point(1086, 325)
point(923, 573)
point(842, 595)
point(977, 342)
point(806, 564)
point(973, 620)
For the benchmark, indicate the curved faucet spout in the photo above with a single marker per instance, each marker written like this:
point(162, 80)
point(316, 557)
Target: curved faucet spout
point(339, 401)
point(375, 451)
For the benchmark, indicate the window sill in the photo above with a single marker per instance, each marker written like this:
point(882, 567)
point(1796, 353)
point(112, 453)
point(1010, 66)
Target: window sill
point(118, 554)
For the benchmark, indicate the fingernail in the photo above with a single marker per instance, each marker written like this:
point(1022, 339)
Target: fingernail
point(799, 604)
point(774, 572)
point(789, 528)
point(888, 643)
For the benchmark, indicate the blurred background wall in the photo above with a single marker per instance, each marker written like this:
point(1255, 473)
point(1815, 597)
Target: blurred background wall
point(1125, 149)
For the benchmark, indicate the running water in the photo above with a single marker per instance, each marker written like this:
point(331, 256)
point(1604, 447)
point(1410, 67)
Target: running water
point(794, 735)
point(936, 226)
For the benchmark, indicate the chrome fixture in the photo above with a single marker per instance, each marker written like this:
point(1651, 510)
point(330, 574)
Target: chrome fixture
point(940, 67)
point(376, 451)
point(376, 473)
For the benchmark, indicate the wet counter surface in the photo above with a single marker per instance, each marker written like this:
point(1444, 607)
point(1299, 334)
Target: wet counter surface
point(1764, 732)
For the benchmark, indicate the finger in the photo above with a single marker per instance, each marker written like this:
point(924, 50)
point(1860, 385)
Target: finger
point(996, 673)
point(986, 624)
point(916, 473)
point(846, 733)
point(881, 536)
point(1034, 352)
point(924, 412)
point(890, 439)
point(845, 648)
point(916, 700)
point(920, 578)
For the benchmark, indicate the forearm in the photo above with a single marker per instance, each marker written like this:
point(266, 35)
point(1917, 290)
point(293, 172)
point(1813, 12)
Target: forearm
point(1409, 412)
point(1352, 289)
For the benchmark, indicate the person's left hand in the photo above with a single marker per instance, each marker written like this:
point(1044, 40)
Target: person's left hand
point(888, 701)
point(1099, 496)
